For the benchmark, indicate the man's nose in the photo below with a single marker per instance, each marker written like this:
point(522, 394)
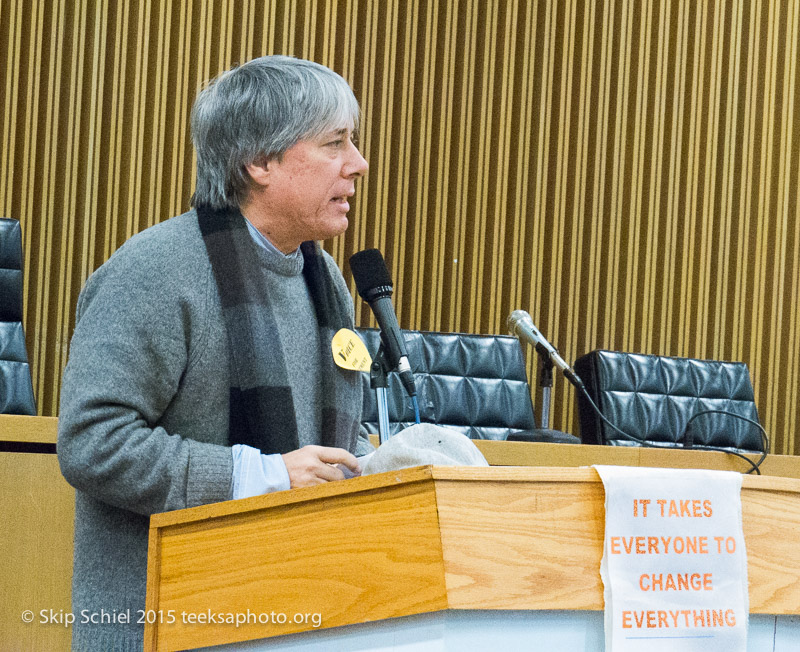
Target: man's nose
point(357, 165)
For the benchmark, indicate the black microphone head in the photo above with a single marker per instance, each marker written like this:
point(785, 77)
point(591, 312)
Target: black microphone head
point(370, 274)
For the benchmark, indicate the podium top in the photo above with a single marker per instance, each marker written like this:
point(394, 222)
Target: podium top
point(500, 474)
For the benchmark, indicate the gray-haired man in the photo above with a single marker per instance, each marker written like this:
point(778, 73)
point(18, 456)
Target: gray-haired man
point(200, 366)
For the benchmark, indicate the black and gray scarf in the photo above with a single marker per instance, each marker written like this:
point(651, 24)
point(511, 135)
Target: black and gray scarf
point(262, 411)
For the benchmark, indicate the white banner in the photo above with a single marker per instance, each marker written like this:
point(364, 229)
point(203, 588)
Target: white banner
point(674, 561)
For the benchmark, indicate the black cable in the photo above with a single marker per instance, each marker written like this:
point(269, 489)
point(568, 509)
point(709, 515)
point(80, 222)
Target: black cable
point(754, 466)
point(638, 440)
point(764, 437)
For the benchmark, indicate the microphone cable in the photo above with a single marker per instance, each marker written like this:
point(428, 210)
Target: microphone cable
point(764, 437)
point(754, 466)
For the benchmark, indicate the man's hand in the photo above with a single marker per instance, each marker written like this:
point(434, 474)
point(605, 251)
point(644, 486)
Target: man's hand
point(312, 465)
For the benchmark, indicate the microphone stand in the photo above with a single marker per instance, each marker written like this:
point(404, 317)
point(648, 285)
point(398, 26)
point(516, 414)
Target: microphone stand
point(546, 383)
point(378, 380)
point(543, 433)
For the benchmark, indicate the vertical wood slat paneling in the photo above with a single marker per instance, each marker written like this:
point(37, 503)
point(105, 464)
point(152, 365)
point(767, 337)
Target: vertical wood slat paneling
point(791, 272)
point(628, 172)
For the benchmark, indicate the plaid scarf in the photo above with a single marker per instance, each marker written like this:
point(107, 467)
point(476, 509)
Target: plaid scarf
point(262, 413)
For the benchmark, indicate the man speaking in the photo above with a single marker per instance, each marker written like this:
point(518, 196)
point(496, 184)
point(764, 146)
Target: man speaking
point(200, 367)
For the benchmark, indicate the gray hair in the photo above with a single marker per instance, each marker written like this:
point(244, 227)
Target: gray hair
point(257, 111)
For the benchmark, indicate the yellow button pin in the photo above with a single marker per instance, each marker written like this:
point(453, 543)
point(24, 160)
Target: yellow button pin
point(349, 351)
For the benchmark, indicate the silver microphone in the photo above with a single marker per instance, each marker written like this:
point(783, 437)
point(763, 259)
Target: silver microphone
point(521, 325)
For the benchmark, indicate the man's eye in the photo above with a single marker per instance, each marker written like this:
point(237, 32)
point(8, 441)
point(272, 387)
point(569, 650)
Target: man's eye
point(336, 143)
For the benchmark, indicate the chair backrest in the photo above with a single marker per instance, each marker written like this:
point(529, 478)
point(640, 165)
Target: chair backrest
point(653, 397)
point(16, 389)
point(475, 384)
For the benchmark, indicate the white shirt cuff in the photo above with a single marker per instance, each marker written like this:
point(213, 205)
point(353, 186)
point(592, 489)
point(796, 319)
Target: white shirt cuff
point(255, 474)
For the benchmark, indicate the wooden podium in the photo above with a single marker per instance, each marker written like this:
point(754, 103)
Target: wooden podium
point(414, 541)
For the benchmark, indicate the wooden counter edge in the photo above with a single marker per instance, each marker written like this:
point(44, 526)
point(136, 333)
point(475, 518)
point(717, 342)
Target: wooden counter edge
point(34, 430)
point(514, 453)
point(292, 496)
point(582, 474)
point(419, 474)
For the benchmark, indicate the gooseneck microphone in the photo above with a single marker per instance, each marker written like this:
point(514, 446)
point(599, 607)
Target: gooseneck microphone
point(375, 286)
point(520, 324)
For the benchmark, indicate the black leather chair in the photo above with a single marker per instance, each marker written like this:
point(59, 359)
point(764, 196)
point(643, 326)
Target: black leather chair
point(475, 384)
point(16, 389)
point(654, 397)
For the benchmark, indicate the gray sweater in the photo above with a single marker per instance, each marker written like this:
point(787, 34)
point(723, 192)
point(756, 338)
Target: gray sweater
point(143, 424)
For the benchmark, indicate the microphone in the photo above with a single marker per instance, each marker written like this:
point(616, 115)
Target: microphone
point(520, 324)
point(375, 286)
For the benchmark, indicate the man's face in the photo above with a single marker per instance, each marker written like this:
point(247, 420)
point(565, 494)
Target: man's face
point(306, 192)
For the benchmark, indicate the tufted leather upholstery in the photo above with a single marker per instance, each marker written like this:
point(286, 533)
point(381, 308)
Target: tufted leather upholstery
point(475, 384)
point(16, 389)
point(653, 397)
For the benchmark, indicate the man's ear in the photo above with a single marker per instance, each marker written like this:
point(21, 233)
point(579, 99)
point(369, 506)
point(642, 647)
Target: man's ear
point(259, 171)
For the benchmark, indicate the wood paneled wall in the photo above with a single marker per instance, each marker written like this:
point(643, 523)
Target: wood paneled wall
point(625, 171)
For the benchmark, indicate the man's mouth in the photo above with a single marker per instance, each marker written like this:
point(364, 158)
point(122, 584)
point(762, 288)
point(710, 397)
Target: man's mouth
point(341, 203)
point(344, 197)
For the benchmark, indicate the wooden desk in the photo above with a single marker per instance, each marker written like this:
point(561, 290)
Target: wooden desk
point(37, 510)
point(39, 430)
